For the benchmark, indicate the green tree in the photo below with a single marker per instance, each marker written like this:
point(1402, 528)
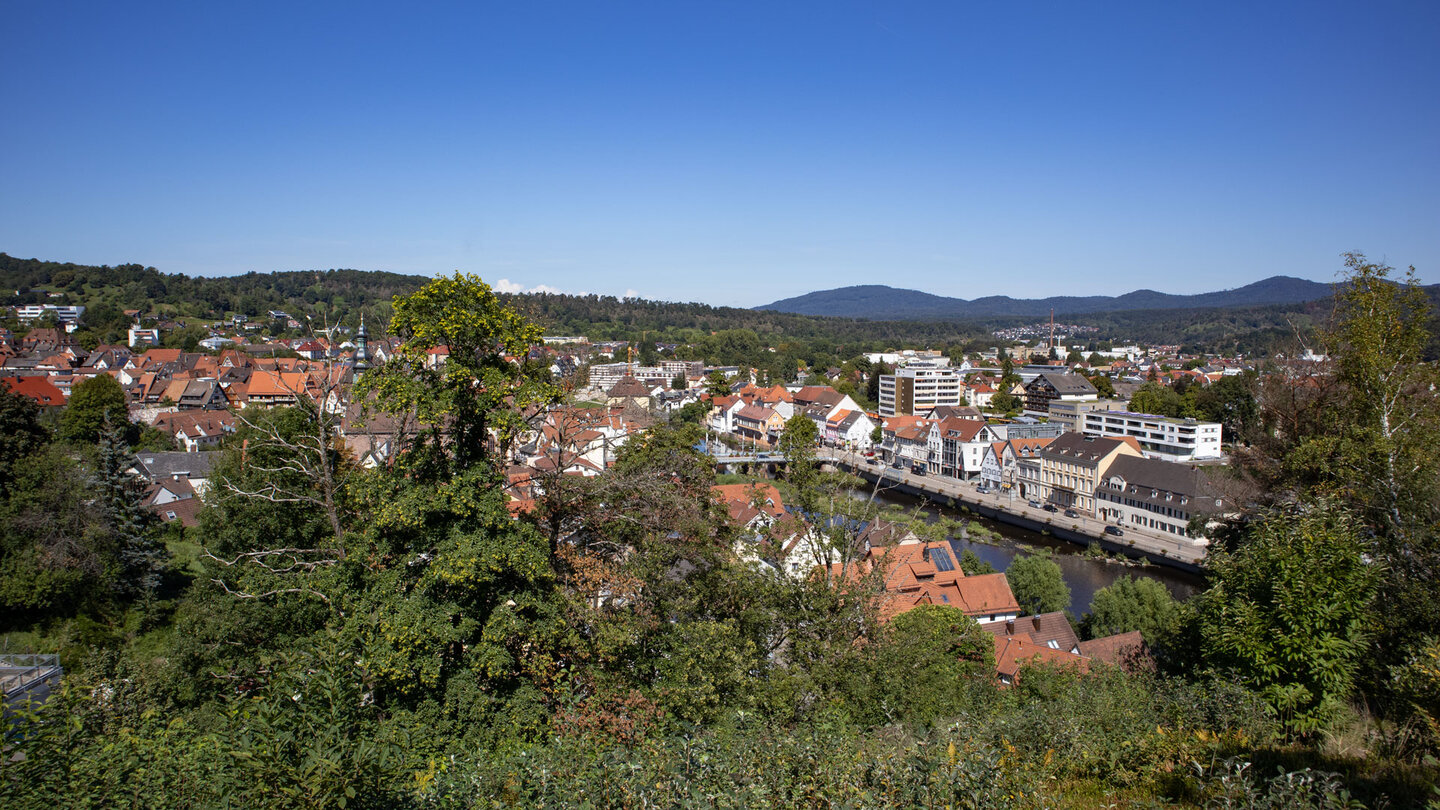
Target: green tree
point(872, 385)
point(473, 402)
point(797, 443)
point(716, 385)
point(1231, 401)
point(1131, 603)
point(1152, 397)
point(20, 433)
point(1103, 386)
point(92, 403)
point(1391, 447)
point(1038, 584)
point(1005, 403)
point(678, 383)
point(140, 553)
point(972, 565)
point(927, 654)
point(1287, 613)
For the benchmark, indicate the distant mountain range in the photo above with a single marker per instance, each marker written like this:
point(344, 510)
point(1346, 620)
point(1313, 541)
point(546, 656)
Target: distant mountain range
point(881, 303)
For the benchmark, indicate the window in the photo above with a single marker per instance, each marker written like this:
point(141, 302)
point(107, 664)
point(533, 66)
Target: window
point(1053, 644)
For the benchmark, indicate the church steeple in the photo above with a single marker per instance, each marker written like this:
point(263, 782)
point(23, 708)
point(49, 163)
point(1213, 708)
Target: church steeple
point(362, 349)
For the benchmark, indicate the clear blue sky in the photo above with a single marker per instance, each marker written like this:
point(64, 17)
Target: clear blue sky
point(725, 152)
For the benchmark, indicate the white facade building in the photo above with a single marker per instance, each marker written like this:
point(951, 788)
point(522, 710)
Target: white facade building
point(69, 317)
point(1162, 437)
point(920, 388)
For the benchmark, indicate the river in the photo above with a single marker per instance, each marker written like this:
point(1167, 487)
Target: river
point(1084, 574)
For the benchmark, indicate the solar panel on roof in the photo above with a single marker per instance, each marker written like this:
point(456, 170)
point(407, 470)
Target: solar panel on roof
point(941, 558)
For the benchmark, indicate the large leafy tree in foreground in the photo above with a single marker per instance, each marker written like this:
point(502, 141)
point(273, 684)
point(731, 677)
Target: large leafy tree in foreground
point(1288, 614)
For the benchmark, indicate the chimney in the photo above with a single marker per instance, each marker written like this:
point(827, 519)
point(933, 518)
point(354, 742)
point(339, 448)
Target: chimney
point(1009, 627)
point(1035, 620)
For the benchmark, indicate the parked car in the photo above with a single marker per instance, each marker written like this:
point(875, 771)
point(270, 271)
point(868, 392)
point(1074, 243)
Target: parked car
point(1071, 513)
point(983, 490)
point(1050, 507)
point(918, 469)
point(1034, 504)
point(1115, 531)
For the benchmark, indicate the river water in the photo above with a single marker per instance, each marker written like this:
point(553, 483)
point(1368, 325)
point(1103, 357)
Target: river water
point(1084, 574)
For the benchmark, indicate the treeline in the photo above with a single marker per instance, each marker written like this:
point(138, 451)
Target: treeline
point(342, 294)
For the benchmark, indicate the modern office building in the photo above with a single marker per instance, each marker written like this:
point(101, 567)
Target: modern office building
point(1163, 437)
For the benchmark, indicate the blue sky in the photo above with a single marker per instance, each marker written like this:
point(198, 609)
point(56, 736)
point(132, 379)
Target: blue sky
point(725, 152)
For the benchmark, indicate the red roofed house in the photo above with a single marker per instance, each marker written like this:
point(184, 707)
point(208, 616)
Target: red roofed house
point(915, 573)
point(38, 389)
point(756, 423)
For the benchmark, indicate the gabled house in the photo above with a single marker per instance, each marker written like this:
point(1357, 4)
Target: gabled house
point(828, 398)
point(268, 389)
point(1013, 653)
point(757, 423)
point(1073, 465)
point(1153, 494)
point(851, 429)
point(194, 430)
point(999, 466)
point(163, 468)
point(1050, 386)
point(958, 446)
point(37, 388)
point(914, 574)
point(1051, 630)
point(722, 413)
point(904, 441)
point(628, 388)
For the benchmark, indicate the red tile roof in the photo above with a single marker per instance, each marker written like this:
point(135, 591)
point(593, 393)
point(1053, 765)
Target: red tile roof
point(37, 388)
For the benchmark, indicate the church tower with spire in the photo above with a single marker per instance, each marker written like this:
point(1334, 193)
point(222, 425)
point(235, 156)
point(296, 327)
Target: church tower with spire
point(362, 350)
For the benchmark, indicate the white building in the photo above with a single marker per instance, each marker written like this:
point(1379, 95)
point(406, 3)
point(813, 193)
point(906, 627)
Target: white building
point(67, 316)
point(144, 337)
point(1162, 437)
point(920, 388)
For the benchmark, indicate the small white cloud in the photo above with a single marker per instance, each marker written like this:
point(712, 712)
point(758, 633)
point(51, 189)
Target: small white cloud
point(505, 285)
point(631, 294)
point(546, 288)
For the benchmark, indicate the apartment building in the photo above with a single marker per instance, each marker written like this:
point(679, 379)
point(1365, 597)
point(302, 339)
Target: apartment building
point(919, 388)
point(1047, 389)
point(1070, 413)
point(1163, 437)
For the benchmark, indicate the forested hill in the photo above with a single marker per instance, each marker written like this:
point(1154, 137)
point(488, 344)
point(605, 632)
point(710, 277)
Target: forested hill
point(888, 303)
point(134, 286)
point(341, 295)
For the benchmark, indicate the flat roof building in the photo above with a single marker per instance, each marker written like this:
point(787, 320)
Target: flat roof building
point(1163, 437)
point(920, 389)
